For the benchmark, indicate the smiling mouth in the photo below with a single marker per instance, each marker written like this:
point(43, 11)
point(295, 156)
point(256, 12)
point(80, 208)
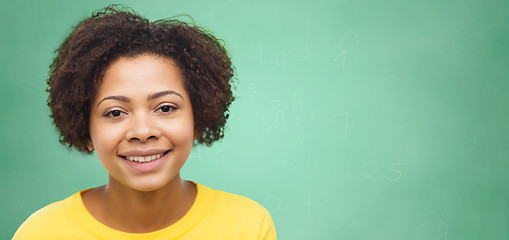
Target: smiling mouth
point(144, 159)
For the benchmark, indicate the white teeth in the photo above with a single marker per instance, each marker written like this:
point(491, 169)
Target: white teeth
point(144, 158)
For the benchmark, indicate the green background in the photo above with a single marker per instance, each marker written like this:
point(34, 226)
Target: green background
point(354, 119)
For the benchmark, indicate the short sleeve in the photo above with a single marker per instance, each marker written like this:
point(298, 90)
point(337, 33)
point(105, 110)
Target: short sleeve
point(34, 228)
point(268, 230)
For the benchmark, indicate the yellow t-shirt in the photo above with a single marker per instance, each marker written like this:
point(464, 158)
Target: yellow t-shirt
point(214, 215)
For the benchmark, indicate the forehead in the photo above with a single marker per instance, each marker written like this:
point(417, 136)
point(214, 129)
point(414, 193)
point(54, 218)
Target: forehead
point(147, 72)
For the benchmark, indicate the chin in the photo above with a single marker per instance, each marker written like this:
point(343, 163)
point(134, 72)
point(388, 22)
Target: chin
point(151, 184)
point(146, 187)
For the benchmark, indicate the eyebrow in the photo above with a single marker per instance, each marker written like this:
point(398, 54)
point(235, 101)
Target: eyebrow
point(149, 98)
point(160, 94)
point(118, 98)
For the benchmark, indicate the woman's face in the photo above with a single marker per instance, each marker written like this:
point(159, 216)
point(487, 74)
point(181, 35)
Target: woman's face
point(141, 122)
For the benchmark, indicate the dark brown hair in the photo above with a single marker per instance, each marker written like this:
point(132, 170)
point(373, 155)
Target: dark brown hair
point(115, 32)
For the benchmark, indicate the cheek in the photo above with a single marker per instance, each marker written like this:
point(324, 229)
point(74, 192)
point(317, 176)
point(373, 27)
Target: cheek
point(181, 132)
point(105, 138)
point(106, 141)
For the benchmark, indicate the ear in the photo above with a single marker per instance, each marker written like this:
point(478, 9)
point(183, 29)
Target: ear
point(196, 134)
point(90, 146)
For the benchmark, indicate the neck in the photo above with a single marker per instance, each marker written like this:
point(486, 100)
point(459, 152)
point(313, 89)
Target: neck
point(130, 210)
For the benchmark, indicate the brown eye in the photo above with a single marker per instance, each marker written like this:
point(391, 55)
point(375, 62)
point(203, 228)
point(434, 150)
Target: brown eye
point(167, 108)
point(113, 113)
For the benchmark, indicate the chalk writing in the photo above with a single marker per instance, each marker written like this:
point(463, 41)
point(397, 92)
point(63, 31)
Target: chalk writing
point(259, 122)
point(312, 165)
point(251, 88)
point(272, 204)
point(348, 44)
point(395, 171)
point(303, 52)
point(279, 116)
point(348, 123)
point(371, 169)
point(342, 57)
point(348, 170)
point(310, 210)
point(196, 154)
point(288, 166)
point(219, 157)
point(297, 108)
point(259, 55)
point(281, 58)
point(230, 45)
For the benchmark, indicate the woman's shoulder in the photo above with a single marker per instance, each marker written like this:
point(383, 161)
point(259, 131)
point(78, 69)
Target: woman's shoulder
point(233, 216)
point(46, 221)
point(226, 201)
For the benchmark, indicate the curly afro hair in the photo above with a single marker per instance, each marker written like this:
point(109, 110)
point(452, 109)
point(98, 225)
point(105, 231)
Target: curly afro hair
point(115, 32)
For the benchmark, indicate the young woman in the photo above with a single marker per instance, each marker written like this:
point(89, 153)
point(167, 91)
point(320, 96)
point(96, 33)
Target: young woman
point(140, 94)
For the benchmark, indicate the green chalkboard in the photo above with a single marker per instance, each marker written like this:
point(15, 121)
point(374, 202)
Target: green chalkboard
point(354, 119)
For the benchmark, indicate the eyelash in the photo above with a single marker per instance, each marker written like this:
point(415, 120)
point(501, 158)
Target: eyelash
point(171, 108)
point(113, 112)
point(109, 114)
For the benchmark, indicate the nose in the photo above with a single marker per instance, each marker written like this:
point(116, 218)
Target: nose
point(142, 129)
